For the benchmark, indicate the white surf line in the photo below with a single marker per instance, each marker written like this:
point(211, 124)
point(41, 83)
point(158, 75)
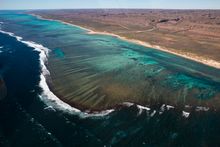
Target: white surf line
point(185, 114)
point(48, 97)
point(52, 101)
point(153, 113)
point(129, 104)
point(200, 108)
point(98, 113)
point(141, 108)
point(169, 107)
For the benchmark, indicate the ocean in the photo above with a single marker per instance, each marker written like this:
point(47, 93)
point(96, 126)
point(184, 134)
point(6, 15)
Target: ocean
point(60, 86)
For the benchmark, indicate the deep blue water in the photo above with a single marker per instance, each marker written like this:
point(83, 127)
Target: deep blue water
point(26, 120)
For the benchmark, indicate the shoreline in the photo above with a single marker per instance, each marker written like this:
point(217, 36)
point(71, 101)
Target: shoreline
point(190, 56)
point(103, 112)
point(52, 101)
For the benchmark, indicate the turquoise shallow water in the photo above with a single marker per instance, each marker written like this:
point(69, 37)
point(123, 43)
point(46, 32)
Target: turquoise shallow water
point(96, 71)
point(99, 72)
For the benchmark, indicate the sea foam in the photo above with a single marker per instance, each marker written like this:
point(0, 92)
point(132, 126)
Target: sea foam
point(185, 114)
point(52, 101)
point(47, 96)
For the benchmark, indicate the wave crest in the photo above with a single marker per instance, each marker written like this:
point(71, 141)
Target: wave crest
point(47, 96)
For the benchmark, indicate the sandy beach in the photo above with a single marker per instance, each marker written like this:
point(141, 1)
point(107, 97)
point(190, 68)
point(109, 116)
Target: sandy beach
point(186, 55)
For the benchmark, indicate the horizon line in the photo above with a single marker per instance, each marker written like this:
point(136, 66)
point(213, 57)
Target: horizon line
point(28, 9)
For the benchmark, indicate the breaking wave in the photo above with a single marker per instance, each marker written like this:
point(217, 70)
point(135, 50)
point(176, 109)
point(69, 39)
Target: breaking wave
point(47, 96)
point(53, 102)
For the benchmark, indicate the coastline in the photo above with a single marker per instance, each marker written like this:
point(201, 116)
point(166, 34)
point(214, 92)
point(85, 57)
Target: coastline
point(190, 56)
point(91, 113)
point(52, 101)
